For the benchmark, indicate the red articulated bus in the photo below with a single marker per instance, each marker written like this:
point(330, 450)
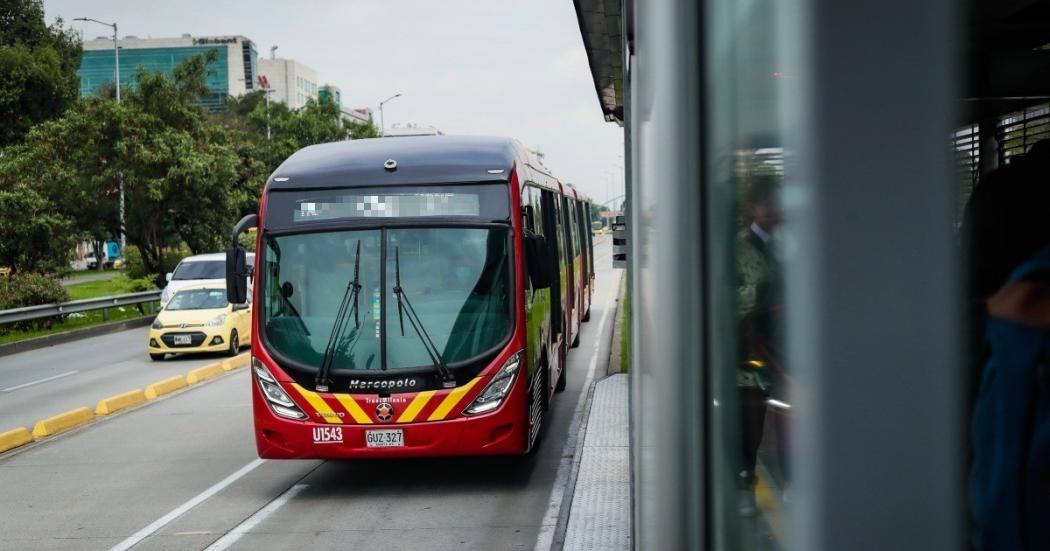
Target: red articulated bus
point(412, 297)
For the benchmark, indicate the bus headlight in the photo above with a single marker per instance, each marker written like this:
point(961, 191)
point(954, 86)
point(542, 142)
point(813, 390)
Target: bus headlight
point(498, 387)
point(279, 401)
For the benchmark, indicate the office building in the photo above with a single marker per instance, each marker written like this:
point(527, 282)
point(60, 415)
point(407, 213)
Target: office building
point(291, 82)
point(233, 72)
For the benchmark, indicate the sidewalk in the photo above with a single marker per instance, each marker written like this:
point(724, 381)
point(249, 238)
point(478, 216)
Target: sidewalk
point(600, 513)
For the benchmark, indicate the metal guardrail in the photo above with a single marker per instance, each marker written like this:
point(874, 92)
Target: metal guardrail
point(102, 303)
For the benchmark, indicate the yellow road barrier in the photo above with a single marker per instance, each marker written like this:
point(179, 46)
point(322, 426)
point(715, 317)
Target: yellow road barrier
point(236, 362)
point(62, 422)
point(209, 371)
point(13, 438)
point(116, 403)
point(166, 386)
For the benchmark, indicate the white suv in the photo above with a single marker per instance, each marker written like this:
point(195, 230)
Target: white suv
point(203, 268)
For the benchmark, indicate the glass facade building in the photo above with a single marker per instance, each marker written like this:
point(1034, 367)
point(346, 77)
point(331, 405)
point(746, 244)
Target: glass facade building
point(232, 73)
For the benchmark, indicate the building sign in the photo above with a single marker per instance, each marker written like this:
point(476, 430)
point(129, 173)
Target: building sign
point(214, 40)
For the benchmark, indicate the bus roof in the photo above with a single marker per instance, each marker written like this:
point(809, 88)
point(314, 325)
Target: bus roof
point(419, 160)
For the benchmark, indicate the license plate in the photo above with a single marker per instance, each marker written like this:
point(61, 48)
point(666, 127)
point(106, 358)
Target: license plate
point(182, 339)
point(394, 438)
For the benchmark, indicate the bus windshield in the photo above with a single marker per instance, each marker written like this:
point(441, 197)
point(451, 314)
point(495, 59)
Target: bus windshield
point(456, 278)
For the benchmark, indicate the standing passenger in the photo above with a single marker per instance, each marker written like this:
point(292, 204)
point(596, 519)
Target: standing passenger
point(759, 297)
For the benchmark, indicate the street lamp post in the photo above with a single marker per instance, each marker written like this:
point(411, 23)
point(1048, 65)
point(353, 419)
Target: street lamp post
point(266, 92)
point(382, 122)
point(116, 84)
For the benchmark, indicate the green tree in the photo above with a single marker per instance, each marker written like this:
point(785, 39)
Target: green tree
point(245, 121)
point(38, 65)
point(179, 173)
point(34, 237)
point(361, 130)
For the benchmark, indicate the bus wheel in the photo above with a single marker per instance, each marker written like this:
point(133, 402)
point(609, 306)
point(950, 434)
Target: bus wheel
point(587, 316)
point(560, 386)
point(235, 344)
point(576, 341)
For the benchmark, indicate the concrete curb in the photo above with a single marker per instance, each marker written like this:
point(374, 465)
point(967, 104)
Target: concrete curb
point(14, 438)
point(116, 403)
point(236, 362)
point(166, 386)
point(62, 422)
point(209, 371)
point(74, 335)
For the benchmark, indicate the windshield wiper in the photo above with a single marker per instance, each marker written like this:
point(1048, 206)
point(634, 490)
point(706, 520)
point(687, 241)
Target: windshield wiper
point(404, 306)
point(353, 293)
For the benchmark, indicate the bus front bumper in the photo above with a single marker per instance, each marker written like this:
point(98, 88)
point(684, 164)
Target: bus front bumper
point(501, 432)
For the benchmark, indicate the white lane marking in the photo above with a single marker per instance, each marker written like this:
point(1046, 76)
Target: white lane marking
point(561, 479)
point(175, 513)
point(44, 380)
point(243, 528)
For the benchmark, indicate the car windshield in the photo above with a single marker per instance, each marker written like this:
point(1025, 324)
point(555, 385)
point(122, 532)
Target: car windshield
point(198, 299)
point(201, 269)
point(456, 278)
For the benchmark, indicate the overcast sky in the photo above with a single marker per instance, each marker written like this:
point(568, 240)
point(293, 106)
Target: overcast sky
point(491, 67)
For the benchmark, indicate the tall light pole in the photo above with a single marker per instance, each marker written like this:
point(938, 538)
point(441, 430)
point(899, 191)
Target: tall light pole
point(116, 84)
point(266, 92)
point(382, 122)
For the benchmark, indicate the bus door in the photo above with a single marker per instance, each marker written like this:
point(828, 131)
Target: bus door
point(552, 228)
point(583, 236)
point(570, 268)
point(583, 227)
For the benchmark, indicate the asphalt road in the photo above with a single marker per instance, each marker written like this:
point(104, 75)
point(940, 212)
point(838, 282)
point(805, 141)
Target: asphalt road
point(41, 383)
point(182, 473)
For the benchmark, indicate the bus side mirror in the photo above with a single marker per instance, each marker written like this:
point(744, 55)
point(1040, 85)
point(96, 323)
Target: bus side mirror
point(236, 275)
point(237, 269)
point(530, 216)
point(537, 259)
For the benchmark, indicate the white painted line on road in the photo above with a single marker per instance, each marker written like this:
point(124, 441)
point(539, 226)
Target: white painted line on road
point(243, 528)
point(561, 479)
point(44, 380)
point(135, 538)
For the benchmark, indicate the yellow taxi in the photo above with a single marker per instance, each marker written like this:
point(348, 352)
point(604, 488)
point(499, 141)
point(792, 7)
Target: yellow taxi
point(199, 319)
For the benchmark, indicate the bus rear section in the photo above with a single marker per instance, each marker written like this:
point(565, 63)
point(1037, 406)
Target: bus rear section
point(391, 306)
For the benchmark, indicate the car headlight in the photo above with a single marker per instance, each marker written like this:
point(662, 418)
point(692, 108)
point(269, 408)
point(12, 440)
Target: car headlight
point(217, 321)
point(498, 387)
point(276, 397)
point(157, 324)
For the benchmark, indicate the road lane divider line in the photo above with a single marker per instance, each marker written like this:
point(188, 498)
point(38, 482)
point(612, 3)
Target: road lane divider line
point(121, 401)
point(236, 362)
point(251, 522)
point(165, 386)
point(177, 512)
point(62, 422)
point(38, 381)
point(14, 438)
point(209, 371)
point(549, 524)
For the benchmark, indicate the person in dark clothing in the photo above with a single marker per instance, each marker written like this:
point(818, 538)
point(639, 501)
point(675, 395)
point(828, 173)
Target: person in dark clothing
point(759, 302)
point(1005, 226)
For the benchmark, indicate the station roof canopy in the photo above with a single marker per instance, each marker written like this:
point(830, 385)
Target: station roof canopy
point(601, 26)
point(1005, 64)
point(1007, 59)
